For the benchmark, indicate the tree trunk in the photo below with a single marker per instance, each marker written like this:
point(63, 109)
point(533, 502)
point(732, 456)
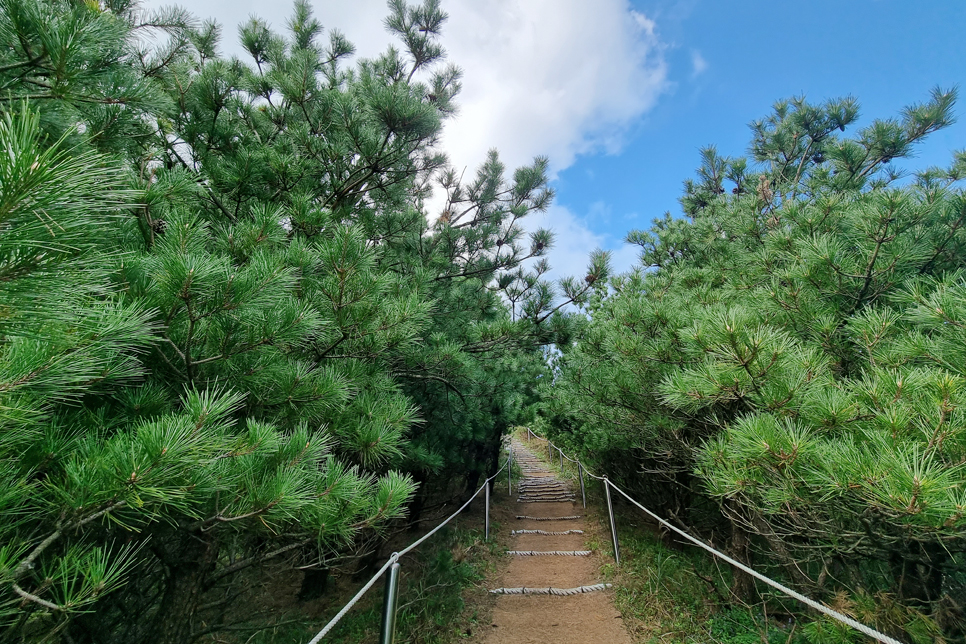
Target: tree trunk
point(418, 503)
point(185, 585)
point(314, 584)
point(742, 584)
point(919, 579)
point(473, 476)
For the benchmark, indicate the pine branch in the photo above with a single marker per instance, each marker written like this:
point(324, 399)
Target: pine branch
point(28, 562)
point(37, 600)
point(251, 561)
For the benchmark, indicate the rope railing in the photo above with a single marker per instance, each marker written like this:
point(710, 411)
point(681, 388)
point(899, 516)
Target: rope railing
point(834, 614)
point(387, 631)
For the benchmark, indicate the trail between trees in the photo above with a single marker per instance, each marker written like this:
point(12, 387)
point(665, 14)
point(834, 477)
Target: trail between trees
point(551, 591)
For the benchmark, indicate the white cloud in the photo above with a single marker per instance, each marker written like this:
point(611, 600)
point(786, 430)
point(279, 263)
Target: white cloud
point(559, 78)
point(624, 257)
point(646, 24)
point(552, 77)
point(542, 77)
point(574, 240)
point(698, 63)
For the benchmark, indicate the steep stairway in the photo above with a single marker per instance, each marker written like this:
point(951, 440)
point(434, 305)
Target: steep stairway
point(550, 592)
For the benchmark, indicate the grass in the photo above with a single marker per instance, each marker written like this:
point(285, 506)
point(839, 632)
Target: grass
point(677, 595)
point(669, 594)
point(432, 608)
point(431, 603)
point(657, 590)
point(442, 599)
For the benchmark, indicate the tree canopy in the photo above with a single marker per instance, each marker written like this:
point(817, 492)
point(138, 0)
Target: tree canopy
point(783, 371)
point(235, 339)
point(232, 337)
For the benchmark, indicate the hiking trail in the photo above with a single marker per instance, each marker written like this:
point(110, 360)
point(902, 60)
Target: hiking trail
point(551, 591)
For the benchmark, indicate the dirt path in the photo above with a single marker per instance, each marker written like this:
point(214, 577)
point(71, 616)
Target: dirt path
point(578, 611)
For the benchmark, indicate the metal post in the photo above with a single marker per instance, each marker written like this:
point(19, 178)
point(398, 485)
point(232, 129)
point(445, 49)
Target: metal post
point(528, 435)
point(486, 529)
point(509, 470)
point(550, 451)
point(389, 601)
point(560, 451)
point(613, 524)
point(583, 494)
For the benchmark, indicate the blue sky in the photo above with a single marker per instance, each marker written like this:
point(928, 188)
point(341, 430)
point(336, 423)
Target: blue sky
point(887, 54)
point(621, 94)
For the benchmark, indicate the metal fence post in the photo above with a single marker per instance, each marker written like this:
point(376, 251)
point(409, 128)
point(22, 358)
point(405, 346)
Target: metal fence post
point(613, 524)
point(550, 451)
point(583, 493)
point(560, 451)
point(486, 524)
point(390, 599)
point(509, 471)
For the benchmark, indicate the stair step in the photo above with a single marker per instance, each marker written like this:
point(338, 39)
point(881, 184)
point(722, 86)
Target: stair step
point(545, 532)
point(554, 499)
point(550, 591)
point(550, 553)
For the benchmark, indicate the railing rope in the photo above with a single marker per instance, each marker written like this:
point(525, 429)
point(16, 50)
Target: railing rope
point(388, 625)
point(352, 602)
point(391, 596)
point(509, 470)
point(862, 628)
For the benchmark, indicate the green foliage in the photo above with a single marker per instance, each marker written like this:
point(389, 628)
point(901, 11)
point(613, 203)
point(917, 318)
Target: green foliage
point(432, 584)
point(81, 62)
point(231, 338)
point(741, 626)
point(790, 356)
point(656, 588)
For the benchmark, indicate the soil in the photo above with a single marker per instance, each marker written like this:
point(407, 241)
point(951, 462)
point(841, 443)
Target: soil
point(588, 618)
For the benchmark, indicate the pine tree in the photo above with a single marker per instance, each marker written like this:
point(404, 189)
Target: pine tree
point(88, 451)
point(126, 376)
point(230, 338)
point(353, 153)
point(790, 351)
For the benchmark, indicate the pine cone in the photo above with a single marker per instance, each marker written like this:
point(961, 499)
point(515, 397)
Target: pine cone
point(765, 192)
